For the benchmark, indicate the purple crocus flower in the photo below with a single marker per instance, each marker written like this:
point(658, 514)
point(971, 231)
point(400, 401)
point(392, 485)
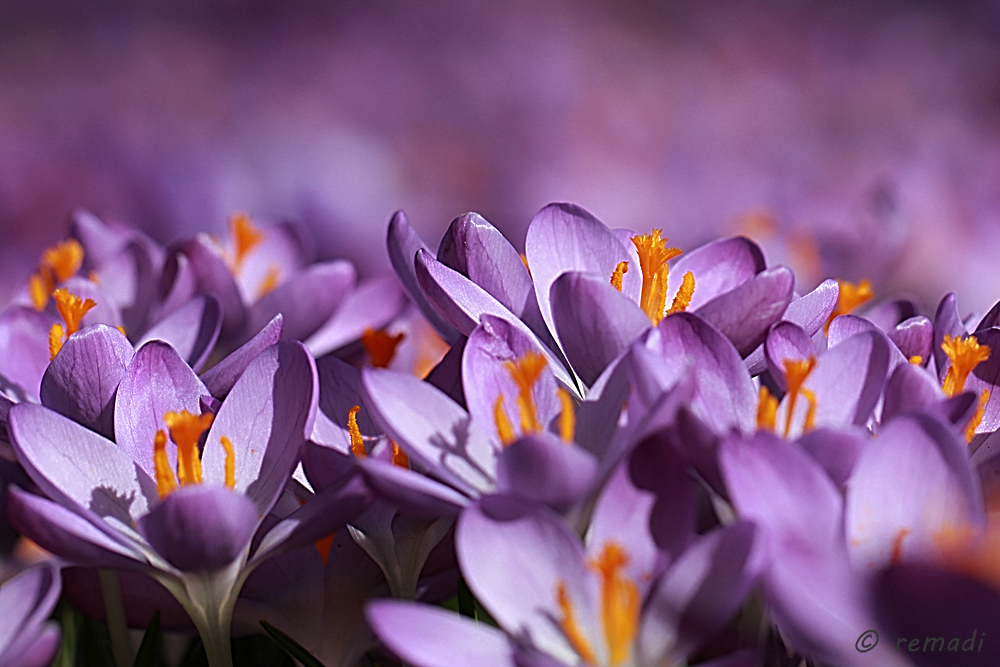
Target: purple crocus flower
point(27, 639)
point(119, 505)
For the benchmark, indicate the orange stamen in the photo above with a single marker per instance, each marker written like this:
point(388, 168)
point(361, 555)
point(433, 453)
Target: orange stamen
point(504, 428)
point(380, 346)
point(72, 308)
point(965, 354)
point(357, 444)
point(619, 275)
point(977, 418)
point(571, 629)
point(165, 481)
point(245, 236)
point(525, 372)
point(767, 410)
point(230, 462)
point(683, 297)
point(796, 372)
point(399, 457)
point(55, 340)
point(270, 281)
point(323, 546)
point(567, 416)
point(653, 258)
point(851, 297)
point(620, 602)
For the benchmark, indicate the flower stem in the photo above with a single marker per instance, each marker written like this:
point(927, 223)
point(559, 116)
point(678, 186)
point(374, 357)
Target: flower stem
point(114, 608)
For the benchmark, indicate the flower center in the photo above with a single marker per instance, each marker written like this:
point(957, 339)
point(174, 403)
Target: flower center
point(186, 430)
point(245, 237)
point(851, 297)
point(965, 354)
point(653, 257)
point(57, 264)
point(525, 372)
point(72, 309)
point(380, 346)
point(796, 372)
point(620, 605)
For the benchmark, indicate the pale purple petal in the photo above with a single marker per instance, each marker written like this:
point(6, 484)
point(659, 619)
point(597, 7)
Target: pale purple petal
point(913, 337)
point(283, 250)
point(809, 311)
point(670, 521)
point(267, 416)
point(212, 276)
point(219, 379)
point(447, 375)
point(306, 300)
point(414, 493)
point(24, 347)
point(718, 267)
point(986, 376)
point(371, 305)
point(544, 469)
point(836, 450)
point(340, 390)
point(425, 636)
point(786, 342)
point(81, 381)
point(434, 431)
point(848, 379)
point(156, 382)
point(594, 321)
point(201, 527)
point(192, 329)
point(100, 240)
point(909, 388)
point(745, 313)
point(886, 315)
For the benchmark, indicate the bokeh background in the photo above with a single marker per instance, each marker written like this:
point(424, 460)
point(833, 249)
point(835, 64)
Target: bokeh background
point(852, 139)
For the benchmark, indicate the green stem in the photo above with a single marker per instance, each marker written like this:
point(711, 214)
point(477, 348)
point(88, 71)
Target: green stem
point(114, 608)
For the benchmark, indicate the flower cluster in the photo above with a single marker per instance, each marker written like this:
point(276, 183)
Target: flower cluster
point(603, 452)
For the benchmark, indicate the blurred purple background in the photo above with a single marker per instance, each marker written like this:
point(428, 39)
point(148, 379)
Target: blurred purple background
point(853, 139)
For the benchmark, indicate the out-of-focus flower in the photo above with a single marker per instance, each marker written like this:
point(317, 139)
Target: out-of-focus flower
point(27, 638)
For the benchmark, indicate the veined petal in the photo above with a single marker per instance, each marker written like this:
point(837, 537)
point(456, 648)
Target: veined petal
point(542, 468)
point(219, 379)
point(306, 300)
point(718, 267)
point(745, 313)
point(373, 304)
point(192, 329)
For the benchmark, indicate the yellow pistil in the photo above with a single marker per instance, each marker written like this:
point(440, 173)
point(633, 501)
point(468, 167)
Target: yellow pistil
point(270, 281)
point(380, 346)
point(72, 308)
point(245, 237)
point(683, 297)
point(571, 629)
point(619, 275)
point(567, 417)
point(977, 418)
point(185, 431)
point(620, 602)
point(653, 258)
point(399, 457)
point(796, 372)
point(58, 264)
point(230, 462)
point(357, 444)
point(965, 354)
point(767, 410)
point(525, 373)
point(165, 481)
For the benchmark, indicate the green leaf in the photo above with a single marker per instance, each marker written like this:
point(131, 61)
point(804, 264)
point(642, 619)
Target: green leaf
point(69, 618)
point(293, 648)
point(149, 649)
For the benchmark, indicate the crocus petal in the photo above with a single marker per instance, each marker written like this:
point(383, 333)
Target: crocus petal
point(132, 278)
point(745, 313)
point(426, 636)
point(846, 326)
point(518, 586)
point(696, 598)
point(848, 379)
point(24, 347)
point(907, 488)
point(267, 416)
point(909, 388)
point(340, 390)
point(564, 237)
point(201, 527)
point(786, 342)
point(718, 267)
point(77, 467)
point(447, 375)
point(544, 469)
point(485, 375)
point(192, 329)
point(836, 450)
point(477, 250)
point(810, 311)
point(433, 430)
point(594, 321)
point(212, 276)
point(913, 337)
point(306, 300)
point(81, 381)
point(371, 305)
point(283, 251)
point(142, 595)
point(413, 492)
point(886, 315)
point(179, 284)
point(27, 600)
point(403, 243)
point(219, 379)
point(35, 650)
point(157, 381)
point(655, 467)
point(100, 240)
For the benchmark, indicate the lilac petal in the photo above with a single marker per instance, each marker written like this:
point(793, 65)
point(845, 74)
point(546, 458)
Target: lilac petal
point(745, 313)
point(786, 342)
point(485, 375)
point(849, 377)
point(24, 347)
point(655, 467)
point(371, 305)
point(925, 602)
point(597, 417)
point(809, 311)
point(425, 636)
point(68, 535)
point(306, 300)
point(201, 528)
point(340, 390)
point(27, 600)
point(477, 250)
point(434, 431)
point(544, 469)
point(909, 388)
point(132, 278)
point(323, 514)
point(836, 450)
point(35, 650)
point(886, 315)
point(192, 329)
point(564, 237)
point(219, 379)
point(77, 467)
point(447, 375)
point(946, 321)
point(414, 493)
point(324, 465)
point(403, 243)
point(518, 586)
point(700, 593)
point(913, 337)
point(142, 595)
point(82, 380)
point(100, 240)
point(907, 490)
point(156, 382)
point(284, 592)
point(718, 267)
point(178, 285)
point(283, 250)
point(267, 416)
point(212, 276)
point(595, 322)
